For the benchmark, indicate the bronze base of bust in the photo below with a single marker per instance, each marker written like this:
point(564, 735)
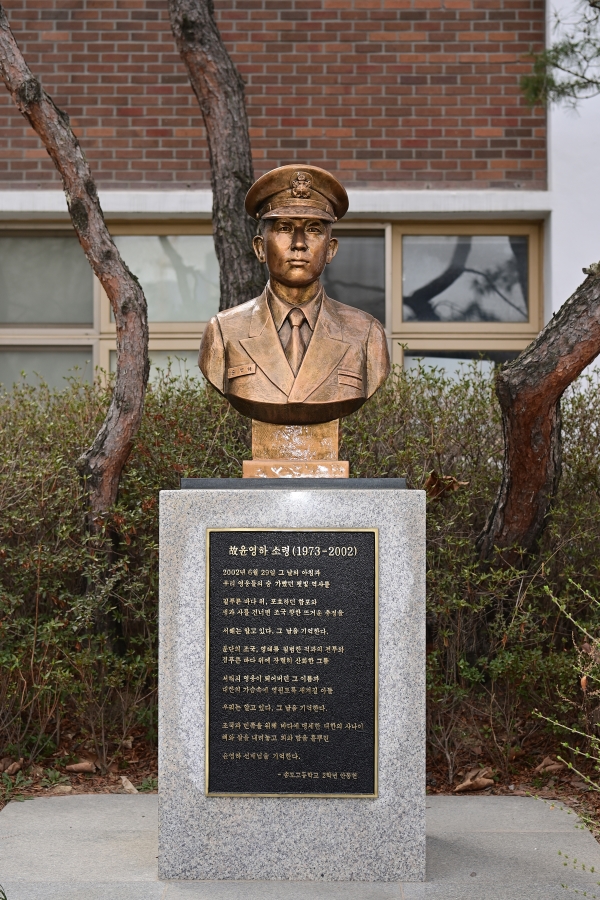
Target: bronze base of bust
point(295, 451)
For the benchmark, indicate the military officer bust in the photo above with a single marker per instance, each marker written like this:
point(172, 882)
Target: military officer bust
point(294, 356)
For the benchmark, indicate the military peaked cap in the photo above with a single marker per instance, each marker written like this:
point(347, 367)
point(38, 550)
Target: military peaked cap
point(300, 192)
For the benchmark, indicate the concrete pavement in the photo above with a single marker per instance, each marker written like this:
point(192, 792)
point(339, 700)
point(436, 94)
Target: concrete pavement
point(104, 847)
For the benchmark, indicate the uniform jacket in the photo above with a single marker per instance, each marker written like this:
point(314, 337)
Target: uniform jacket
point(346, 361)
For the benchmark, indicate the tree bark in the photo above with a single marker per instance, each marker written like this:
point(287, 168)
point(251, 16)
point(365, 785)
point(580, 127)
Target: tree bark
point(529, 390)
point(219, 90)
point(102, 464)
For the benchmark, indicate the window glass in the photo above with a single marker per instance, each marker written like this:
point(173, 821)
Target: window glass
point(44, 280)
point(356, 275)
point(179, 274)
point(465, 278)
point(180, 362)
point(52, 364)
point(454, 363)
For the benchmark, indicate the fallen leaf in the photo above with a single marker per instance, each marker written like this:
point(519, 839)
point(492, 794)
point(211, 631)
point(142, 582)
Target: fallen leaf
point(85, 766)
point(127, 744)
point(555, 767)
point(5, 762)
point(127, 785)
point(476, 780)
point(438, 485)
point(61, 789)
point(14, 768)
point(544, 765)
point(477, 784)
point(36, 771)
point(579, 784)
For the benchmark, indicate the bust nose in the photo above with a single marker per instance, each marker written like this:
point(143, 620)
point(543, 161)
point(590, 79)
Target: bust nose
point(299, 239)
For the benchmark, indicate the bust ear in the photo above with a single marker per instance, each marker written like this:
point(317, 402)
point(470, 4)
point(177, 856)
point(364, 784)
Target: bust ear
point(332, 249)
point(258, 243)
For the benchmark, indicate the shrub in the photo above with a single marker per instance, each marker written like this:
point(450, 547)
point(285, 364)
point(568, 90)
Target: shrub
point(78, 612)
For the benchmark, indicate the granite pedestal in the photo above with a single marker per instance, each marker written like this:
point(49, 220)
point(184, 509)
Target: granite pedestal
point(280, 838)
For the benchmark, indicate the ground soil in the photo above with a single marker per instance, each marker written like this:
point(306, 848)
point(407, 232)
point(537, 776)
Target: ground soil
point(137, 762)
point(140, 765)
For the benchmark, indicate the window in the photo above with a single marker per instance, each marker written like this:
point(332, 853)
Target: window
point(177, 267)
point(453, 362)
point(45, 279)
point(178, 272)
point(465, 291)
point(445, 291)
point(465, 278)
point(53, 364)
point(356, 275)
point(179, 362)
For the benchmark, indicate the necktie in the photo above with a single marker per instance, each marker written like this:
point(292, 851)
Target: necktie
point(295, 348)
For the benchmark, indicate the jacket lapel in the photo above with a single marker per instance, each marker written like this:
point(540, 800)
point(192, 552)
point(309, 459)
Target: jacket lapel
point(325, 351)
point(264, 347)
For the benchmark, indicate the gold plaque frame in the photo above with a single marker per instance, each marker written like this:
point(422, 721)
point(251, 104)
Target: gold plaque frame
point(375, 794)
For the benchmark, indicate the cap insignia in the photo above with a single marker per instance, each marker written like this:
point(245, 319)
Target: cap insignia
point(301, 184)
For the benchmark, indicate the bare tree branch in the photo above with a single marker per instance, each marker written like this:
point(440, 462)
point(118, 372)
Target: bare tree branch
point(219, 89)
point(529, 390)
point(420, 300)
point(101, 465)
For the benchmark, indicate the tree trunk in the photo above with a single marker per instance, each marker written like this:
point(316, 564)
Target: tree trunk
point(529, 390)
point(101, 465)
point(219, 90)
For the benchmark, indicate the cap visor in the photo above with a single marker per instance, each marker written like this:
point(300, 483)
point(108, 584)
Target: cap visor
point(298, 212)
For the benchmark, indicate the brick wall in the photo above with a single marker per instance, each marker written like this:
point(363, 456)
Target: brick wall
point(403, 93)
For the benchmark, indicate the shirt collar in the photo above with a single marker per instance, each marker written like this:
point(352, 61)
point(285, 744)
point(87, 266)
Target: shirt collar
point(281, 308)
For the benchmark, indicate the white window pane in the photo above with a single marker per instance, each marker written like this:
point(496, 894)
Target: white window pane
point(356, 274)
point(466, 278)
point(52, 364)
point(44, 280)
point(179, 362)
point(450, 367)
point(457, 363)
point(179, 274)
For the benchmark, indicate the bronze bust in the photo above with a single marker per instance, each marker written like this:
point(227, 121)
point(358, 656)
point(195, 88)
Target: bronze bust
point(294, 356)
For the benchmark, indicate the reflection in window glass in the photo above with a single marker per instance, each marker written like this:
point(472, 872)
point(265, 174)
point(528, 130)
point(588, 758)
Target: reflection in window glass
point(51, 364)
point(44, 280)
point(455, 363)
point(179, 274)
point(179, 362)
point(465, 278)
point(356, 275)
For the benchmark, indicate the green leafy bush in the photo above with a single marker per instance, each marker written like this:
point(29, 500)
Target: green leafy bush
point(78, 612)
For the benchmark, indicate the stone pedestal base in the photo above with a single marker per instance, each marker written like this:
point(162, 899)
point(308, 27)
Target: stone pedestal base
point(244, 838)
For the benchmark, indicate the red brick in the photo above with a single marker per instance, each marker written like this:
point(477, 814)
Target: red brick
point(387, 92)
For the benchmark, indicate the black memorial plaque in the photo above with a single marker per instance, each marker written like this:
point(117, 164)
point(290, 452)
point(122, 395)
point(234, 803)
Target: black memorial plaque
point(292, 662)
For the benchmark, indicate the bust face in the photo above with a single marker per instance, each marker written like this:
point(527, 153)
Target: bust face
point(295, 250)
